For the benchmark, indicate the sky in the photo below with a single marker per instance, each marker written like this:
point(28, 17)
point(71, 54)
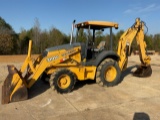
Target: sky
point(21, 14)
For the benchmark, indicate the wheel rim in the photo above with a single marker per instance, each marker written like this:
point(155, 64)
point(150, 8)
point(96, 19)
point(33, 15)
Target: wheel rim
point(64, 81)
point(110, 74)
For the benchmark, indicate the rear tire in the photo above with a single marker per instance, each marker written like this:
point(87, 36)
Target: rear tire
point(108, 73)
point(62, 80)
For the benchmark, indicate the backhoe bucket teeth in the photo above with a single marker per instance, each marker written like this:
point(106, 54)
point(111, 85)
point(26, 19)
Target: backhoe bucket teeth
point(13, 88)
point(143, 71)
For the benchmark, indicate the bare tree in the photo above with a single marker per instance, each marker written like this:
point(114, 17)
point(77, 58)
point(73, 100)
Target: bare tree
point(36, 35)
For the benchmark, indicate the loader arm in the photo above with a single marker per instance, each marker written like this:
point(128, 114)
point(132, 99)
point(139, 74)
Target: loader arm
point(16, 85)
point(125, 42)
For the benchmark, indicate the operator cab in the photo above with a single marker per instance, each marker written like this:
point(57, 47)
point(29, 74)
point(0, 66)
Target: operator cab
point(89, 35)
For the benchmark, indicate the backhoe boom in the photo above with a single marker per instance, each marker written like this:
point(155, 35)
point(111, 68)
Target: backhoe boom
point(124, 48)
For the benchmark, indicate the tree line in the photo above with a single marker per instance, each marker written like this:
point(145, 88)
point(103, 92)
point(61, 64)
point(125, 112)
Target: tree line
point(17, 43)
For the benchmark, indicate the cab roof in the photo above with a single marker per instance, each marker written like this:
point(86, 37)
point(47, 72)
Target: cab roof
point(96, 24)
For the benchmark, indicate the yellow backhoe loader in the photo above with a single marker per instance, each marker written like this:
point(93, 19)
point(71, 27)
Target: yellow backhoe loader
point(63, 65)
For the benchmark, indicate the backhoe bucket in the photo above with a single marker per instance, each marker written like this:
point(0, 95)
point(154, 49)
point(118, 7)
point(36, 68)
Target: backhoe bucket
point(143, 71)
point(13, 88)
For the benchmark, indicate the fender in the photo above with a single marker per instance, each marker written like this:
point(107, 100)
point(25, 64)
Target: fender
point(106, 54)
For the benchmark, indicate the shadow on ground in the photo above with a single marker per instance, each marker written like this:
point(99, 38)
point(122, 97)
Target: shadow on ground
point(127, 72)
point(80, 84)
point(38, 88)
point(141, 116)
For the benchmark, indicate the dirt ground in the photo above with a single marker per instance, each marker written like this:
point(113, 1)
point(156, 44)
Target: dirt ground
point(133, 99)
point(14, 58)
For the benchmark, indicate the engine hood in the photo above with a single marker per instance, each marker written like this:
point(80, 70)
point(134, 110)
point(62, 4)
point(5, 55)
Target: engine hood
point(60, 47)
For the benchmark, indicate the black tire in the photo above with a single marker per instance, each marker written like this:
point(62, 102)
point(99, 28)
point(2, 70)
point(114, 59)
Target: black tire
point(108, 73)
point(62, 80)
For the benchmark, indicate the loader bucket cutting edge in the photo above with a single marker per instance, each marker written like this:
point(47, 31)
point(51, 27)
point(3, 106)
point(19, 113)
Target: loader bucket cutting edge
point(143, 71)
point(13, 88)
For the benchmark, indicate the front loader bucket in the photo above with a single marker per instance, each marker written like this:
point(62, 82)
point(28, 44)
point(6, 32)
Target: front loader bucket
point(143, 71)
point(13, 88)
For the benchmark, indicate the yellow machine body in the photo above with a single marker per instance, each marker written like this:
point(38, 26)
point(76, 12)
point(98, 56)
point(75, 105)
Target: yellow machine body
point(67, 63)
point(16, 81)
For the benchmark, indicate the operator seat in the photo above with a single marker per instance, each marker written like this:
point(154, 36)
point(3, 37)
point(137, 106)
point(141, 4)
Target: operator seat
point(100, 47)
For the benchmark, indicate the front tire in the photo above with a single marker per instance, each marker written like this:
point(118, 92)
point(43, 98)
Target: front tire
point(62, 80)
point(108, 73)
